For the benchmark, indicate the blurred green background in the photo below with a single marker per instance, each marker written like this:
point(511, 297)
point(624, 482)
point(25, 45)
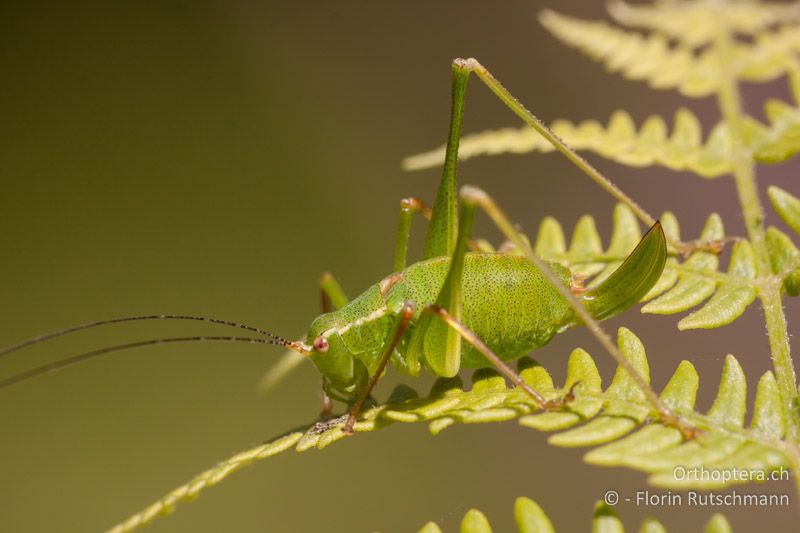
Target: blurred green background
point(215, 158)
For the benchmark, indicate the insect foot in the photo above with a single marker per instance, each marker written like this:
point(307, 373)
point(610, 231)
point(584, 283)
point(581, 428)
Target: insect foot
point(563, 401)
point(688, 431)
point(403, 322)
point(321, 426)
point(577, 284)
point(570, 395)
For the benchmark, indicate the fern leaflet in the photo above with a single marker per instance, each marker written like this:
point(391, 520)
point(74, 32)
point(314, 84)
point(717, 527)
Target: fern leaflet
point(619, 140)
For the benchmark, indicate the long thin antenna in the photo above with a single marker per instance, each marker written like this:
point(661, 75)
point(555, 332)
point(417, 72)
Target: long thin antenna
point(47, 336)
point(75, 359)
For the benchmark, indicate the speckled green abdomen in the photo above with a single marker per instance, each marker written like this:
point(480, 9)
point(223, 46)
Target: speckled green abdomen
point(505, 300)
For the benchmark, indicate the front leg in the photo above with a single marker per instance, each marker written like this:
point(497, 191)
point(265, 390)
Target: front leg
point(331, 297)
point(395, 334)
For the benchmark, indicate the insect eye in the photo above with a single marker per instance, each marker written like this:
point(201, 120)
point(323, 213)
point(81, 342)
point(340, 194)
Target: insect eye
point(320, 344)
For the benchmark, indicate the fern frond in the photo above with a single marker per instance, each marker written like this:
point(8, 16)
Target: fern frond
point(651, 58)
point(650, 144)
point(636, 57)
point(596, 417)
point(619, 140)
point(530, 518)
point(696, 23)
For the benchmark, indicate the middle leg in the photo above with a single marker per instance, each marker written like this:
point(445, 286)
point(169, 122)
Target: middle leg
point(408, 206)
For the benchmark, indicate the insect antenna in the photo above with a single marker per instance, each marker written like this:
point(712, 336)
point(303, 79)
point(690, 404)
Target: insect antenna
point(88, 325)
point(75, 359)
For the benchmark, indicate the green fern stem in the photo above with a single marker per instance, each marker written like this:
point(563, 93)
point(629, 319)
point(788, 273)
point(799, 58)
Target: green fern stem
point(769, 293)
point(730, 104)
point(775, 320)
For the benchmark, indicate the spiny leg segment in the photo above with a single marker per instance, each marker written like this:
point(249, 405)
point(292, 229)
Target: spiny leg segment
point(473, 65)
